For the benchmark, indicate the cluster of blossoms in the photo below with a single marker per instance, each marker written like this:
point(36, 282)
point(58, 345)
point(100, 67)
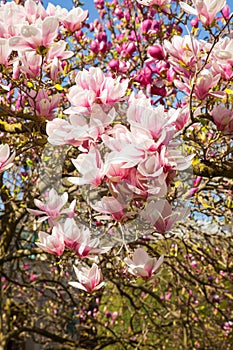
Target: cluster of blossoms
point(125, 145)
point(200, 67)
point(32, 32)
point(136, 159)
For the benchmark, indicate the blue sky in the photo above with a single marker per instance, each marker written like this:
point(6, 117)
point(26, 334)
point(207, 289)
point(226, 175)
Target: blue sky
point(88, 5)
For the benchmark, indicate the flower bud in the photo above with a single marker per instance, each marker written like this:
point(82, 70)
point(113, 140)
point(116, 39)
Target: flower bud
point(156, 51)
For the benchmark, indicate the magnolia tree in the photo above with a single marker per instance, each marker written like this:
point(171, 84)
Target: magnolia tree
point(116, 175)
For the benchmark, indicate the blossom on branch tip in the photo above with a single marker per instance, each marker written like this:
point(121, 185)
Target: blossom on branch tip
point(72, 20)
point(161, 3)
point(89, 279)
point(142, 265)
point(6, 159)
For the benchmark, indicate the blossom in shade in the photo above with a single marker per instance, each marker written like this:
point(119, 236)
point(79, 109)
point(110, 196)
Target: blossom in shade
point(161, 215)
point(44, 104)
point(142, 265)
point(110, 205)
point(53, 244)
point(6, 159)
point(89, 279)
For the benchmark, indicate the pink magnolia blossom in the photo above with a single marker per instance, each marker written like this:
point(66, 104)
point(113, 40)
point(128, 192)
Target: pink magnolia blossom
point(51, 208)
point(112, 90)
point(92, 86)
point(222, 51)
point(161, 3)
point(33, 11)
point(77, 129)
point(154, 120)
point(151, 166)
point(183, 118)
point(6, 159)
point(87, 247)
point(89, 279)
point(223, 118)
point(203, 85)
point(110, 205)
point(90, 166)
point(30, 64)
point(156, 52)
point(70, 232)
point(72, 20)
point(33, 37)
point(12, 16)
point(206, 10)
point(222, 58)
point(43, 103)
point(73, 131)
point(78, 239)
point(160, 214)
point(58, 49)
point(186, 54)
point(142, 265)
point(53, 244)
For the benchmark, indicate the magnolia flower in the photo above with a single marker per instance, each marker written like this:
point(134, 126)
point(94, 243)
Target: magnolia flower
point(53, 244)
point(78, 238)
point(31, 63)
point(154, 120)
point(90, 165)
point(87, 247)
point(203, 86)
point(142, 265)
point(110, 205)
point(72, 20)
point(206, 10)
point(70, 233)
point(92, 86)
point(73, 131)
point(6, 160)
point(160, 3)
point(186, 54)
point(89, 279)
point(160, 214)
point(223, 118)
point(43, 103)
point(52, 207)
point(32, 37)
